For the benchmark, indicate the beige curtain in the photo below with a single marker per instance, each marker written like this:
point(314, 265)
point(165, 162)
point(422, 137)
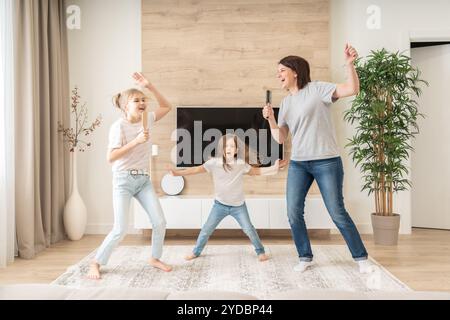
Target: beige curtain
point(7, 202)
point(41, 100)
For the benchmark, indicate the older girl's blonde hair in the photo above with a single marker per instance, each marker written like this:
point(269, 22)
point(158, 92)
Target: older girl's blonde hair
point(121, 100)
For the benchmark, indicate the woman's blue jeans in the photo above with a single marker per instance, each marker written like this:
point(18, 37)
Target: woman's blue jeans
point(329, 174)
point(217, 214)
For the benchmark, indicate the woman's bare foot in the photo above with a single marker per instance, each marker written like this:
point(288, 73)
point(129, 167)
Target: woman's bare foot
point(263, 257)
point(94, 271)
point(160, 265)
point(190, 257)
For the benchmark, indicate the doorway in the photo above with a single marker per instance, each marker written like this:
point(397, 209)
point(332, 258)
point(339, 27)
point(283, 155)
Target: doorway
point(430, 163)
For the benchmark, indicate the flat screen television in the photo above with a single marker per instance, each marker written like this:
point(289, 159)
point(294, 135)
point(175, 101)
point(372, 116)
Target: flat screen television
point(198, 130)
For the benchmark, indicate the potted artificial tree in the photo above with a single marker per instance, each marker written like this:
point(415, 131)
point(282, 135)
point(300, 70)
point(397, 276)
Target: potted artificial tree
point(386, 114)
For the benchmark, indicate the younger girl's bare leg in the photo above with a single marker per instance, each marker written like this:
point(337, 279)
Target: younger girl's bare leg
point(243, 218)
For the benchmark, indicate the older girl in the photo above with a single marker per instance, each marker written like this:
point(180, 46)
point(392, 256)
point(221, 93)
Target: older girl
point(128, 152)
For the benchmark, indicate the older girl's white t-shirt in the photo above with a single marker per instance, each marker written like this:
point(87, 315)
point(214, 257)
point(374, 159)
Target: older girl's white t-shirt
point(228, 185)
point(123, 132)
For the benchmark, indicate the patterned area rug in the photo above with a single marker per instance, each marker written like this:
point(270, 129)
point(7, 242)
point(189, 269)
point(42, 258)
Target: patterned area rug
point(234, 268)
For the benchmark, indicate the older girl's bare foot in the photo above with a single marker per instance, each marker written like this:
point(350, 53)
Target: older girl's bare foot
point(190, 257)
point(160, 265)
point(94, 271)
point(263, 257)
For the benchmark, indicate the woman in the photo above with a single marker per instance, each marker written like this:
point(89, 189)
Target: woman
point(306, 114)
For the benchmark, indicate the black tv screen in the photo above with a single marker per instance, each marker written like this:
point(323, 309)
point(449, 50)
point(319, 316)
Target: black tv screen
point(198, 129)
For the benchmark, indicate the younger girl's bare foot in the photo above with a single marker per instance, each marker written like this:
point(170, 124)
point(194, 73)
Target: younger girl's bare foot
point(160, 265)
point(94, 271)
point(190, 257)
point(263, 257)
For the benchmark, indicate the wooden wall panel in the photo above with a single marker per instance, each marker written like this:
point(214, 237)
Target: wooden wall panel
point(225, 53)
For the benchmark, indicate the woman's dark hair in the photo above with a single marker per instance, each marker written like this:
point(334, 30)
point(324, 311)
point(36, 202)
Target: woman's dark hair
point(301, 67)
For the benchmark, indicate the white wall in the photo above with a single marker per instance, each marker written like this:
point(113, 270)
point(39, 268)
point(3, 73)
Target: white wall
point(103, 55)
point(107, 50)
point(348, 24)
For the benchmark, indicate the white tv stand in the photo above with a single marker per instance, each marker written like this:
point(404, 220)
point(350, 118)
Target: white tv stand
point(266, 212)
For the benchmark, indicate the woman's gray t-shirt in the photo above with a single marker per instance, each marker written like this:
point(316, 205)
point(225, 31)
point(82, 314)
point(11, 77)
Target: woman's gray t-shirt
point(307, 114)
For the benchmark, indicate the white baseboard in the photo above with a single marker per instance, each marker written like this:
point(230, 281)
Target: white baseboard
point(363, 228)
point(104, 229)
point(366, 228)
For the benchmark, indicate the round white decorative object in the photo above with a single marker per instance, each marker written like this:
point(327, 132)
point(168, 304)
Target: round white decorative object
point(171, 185)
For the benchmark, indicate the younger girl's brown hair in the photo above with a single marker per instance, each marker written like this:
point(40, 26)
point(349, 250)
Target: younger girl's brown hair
point(121, 100)
point(244, 152)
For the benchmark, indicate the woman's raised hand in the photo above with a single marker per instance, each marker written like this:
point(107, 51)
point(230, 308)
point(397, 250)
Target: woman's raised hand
point(350, 54)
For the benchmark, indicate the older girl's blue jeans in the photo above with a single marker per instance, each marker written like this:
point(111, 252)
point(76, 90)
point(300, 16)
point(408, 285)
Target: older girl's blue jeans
point(125, 187)
point(329, 174)
point(217, 214)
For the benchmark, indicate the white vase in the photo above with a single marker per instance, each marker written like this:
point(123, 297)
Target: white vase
point(75, 213)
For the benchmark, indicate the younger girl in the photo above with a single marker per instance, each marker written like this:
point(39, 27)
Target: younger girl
point(128, 152)
point(228, 170)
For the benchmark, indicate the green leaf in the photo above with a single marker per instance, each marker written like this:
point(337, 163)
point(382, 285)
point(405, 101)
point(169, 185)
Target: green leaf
point(385, 115)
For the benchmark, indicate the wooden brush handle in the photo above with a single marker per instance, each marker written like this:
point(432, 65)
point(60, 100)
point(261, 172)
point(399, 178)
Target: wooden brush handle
point(145, 120)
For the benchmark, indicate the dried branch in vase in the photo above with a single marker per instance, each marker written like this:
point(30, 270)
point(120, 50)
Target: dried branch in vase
point(73, 137)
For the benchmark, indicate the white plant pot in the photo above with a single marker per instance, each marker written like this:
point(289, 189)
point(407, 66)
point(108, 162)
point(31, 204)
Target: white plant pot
point(75, 213)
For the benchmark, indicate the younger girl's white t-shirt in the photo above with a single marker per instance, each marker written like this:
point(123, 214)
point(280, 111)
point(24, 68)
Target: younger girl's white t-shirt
point(228, 185)
point(123, 132)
